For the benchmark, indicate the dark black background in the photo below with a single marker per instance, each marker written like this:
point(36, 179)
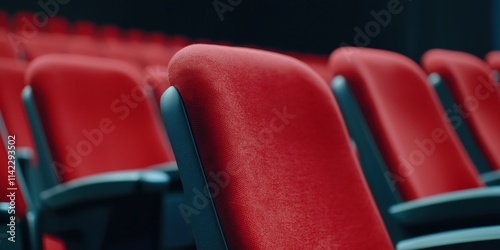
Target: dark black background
point(306, 26)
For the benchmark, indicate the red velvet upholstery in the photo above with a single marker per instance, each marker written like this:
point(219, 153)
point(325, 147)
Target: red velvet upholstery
point(96, 115)
point(269, 123)
point(318, 63)
point(84, 45)
point(4, 21)
point(158, 38)
point(155, 54)
point(473, 87)
point(123, 51)
point(44, 44)
point(11, 85)
point(58, 25)
point(6, 48)
point(405, 118)
point(157, 79)
point(11, 106)
point(85, 28)
point(109, 31)
point(134, 35)
point(493, 59)
point(24, 24)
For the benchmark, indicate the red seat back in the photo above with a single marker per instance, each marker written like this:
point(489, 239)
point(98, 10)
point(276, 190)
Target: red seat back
point(124, 51)
point(58, 25)
point(4, 21)
point(11, 106)
point(96, 115)
point(318, 63)
point(471, 83)
point(84, 45)
point(12, 113)
point(156, 77)
point(85, 28)
point(109, 31)
point(493, 59)
point(6, 47)
point(293, 182)
point(407, 122)
point(44, 44)
point(157, 38)
point(134, 36)
point(24, 24)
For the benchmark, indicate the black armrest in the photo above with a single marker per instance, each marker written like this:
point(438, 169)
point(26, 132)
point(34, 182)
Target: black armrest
point(491, 178)
point(469, 207)
point(474, 238)
point(4, 211)
point(105, 186)
point(172, 170)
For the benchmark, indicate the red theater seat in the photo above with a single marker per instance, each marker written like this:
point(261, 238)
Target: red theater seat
point(58, 83)
point(155, 54)
point(420, 153)
point(493, 59)
point(123, 51)
point(177, 42)
point(11, 107)
point(318, 63)
point(476, 97)
point(85, 28)
point(23, 24)
point(6, 47)
point(274, 171)
point(111, 32)
point(104, 137)
point(14, 116)
point(84, 45)
point(134, 35)
point(158, 38)
point(44, 44)
point(4, 21)
point(156, 78)
point(403, 116)
point(58, 25)
point(276, 196)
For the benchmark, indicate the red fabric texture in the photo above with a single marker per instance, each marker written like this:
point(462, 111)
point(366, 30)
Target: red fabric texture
point(4, 20)
point(14, 116)
point(318, 63)
point(6, 48)
point(84, 45)
point(85, 28)
point(271, 126)
point(11, 106)
point(44, 44)
point(406, 119)
point(110, 32)
point(96, 115)
point(58, 25)
point(473, 87)
point(493, 59)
